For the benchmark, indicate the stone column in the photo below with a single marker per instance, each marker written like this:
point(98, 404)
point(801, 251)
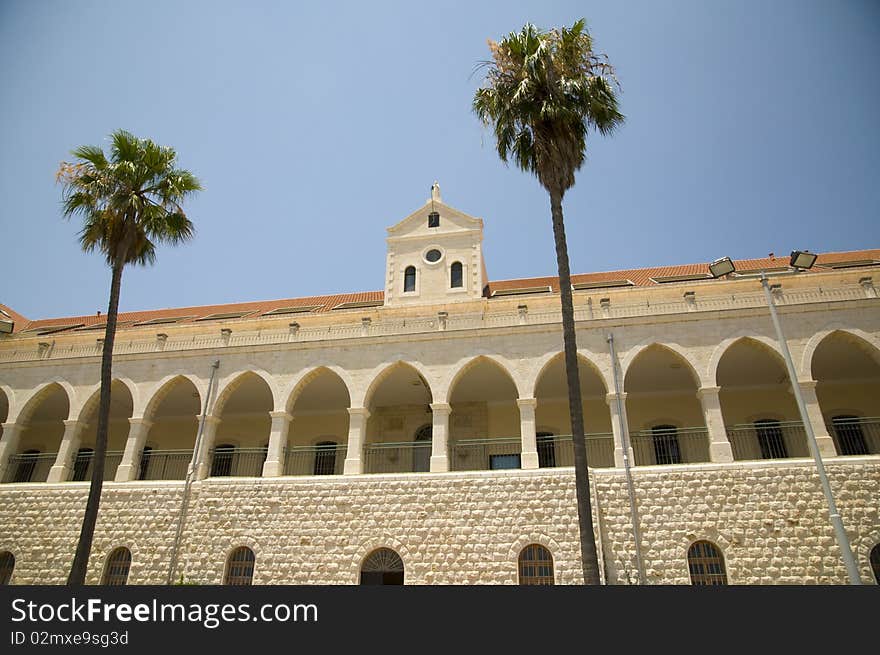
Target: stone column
point(357, 430)
point(67, 451)
point(129, 467)
point(529, 453)
point(204, 454)
point(817, 421)
point(720, 449)
point(440, 437)
point(274, 465)
point(9, 445)
point(618, 426)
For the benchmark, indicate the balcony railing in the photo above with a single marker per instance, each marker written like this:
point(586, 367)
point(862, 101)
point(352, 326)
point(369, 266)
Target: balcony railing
point(29, 467)
point(586, 309)
point(768, 440)
point(670, 446)
point(557, 450)
point(83, 462)
point(164, 464)
point(237, 462)
point(314, 460)
point(399, 457)
point(486, 454)
point(856, 436)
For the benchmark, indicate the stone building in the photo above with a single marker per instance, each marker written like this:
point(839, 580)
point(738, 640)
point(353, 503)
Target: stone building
point(418, 434)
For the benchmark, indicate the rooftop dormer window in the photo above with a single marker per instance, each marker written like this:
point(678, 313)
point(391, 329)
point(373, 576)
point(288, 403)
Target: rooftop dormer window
point(433, 219)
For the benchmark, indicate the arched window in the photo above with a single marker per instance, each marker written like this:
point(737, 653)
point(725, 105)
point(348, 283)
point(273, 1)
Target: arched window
point(240, 567)
point(409, 279)
point(221, 465)
point(706, 564)
point(325, 458)
point(118, 564)
point(27, 462)
point(7, 565)
point(535, 565)
point(144, 467)
point(666, 450)
point(81, 464)
point(546, 450)
point(850, 438)
point(875, 562)
point(770, 439)
point(382, 567)
point(455, 276)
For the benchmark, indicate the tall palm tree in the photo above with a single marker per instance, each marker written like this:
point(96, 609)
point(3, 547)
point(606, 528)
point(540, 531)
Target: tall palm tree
point(129, 203)
point(544, 91)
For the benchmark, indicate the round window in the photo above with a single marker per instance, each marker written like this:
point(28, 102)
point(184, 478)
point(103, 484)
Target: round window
point(433, 255)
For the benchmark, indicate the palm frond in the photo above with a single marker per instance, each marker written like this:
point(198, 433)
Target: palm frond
point(543, 92)
point(129, 201)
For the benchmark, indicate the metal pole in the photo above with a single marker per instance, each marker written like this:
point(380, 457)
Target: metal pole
point(839, 531)
point(624, 437)
point(193, 467)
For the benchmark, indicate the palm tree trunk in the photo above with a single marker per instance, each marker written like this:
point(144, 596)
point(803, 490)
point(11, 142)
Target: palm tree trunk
point(589, 556)
point(84, 546)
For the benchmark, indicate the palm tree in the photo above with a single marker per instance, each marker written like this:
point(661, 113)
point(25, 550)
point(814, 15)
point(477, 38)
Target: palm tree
point(543, 93)
point(129, 203)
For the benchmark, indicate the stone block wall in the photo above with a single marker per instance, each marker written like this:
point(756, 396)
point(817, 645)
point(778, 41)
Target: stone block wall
point(770, 521)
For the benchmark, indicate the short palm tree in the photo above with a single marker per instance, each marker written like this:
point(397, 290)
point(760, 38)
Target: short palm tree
point(544, 91)
point(129, 203)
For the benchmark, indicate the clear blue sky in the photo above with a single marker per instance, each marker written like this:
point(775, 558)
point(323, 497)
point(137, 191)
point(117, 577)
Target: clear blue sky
point(751, 127)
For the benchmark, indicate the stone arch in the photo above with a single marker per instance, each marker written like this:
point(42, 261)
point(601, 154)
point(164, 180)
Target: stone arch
point(862, 547)
point(234, 382)
point(31, 402)
point(541, 539)
point(289, 396)
point(366, 548)
point(633, 355)
point(163, 388)
point(386, 370)
point(94, 398)
point(462, 369)
point(544, 363)
point(724, 346)
point(872, 343)
point(9, 397)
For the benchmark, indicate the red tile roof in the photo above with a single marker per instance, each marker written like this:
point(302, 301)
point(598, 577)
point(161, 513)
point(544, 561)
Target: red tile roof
point(641, 277)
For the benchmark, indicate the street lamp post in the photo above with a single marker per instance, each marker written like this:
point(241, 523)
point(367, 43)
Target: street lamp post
point(802, 260)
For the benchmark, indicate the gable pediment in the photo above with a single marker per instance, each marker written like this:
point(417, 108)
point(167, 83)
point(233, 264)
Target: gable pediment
point(452, 221)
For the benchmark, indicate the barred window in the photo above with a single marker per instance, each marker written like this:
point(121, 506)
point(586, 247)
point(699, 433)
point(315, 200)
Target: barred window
point(706, 564)
point(850, 438)
point(666, 448)
point(546, 449)
point(27, 462)
point(144, 467)
point(7, 564)
point(221, 466)
point(875, 562)
point(771, 439)
point(240, 567)
point(81, 463)
point(325, 458)
point(118, 564)
point(535, 565)
point(382, 567)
